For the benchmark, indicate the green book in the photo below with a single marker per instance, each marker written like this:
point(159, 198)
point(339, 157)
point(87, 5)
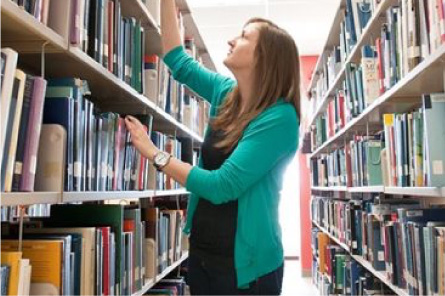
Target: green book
point(339, 271)
point(374, 163)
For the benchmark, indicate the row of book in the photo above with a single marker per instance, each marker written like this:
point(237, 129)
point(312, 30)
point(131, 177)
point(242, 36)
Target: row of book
point(411, 32)
point(397, 236)
point(81, 148)
point(39, 9)
point(408, 152)
point(355, 18)
point(357, 164)
point(173, 97)
point(114, 252)
point(335, 272)
point(118, 44)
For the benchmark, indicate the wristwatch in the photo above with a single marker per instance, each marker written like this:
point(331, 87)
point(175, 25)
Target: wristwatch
point(161, 159)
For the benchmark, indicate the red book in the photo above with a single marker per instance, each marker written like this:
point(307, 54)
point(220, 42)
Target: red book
point(75, 22)
point(33, 135)
point(331, 117)
point(440, 8)
point(106, 259)
point(341, 109)
point(380, 65)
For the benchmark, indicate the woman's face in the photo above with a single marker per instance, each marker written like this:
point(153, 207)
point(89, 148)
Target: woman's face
point(242, 48)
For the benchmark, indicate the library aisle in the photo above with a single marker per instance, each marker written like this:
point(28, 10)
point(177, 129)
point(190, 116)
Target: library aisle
point(111, 149)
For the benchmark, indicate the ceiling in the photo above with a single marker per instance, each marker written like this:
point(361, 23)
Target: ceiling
point(308, 21)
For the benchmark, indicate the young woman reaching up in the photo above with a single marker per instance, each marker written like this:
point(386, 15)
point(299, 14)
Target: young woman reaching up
point(232, 218)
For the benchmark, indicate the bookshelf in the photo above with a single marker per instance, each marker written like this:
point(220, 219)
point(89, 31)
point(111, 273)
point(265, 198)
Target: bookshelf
point(399, 96)
point(368, 266)
point(370, 30)
point(403, 96)
point(25, 34)
point(49, 52)
point(408, 191)
point(30, 198)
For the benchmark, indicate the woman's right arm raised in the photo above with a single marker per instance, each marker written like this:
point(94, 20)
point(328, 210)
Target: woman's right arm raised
point(169, 26)
point(210, 85)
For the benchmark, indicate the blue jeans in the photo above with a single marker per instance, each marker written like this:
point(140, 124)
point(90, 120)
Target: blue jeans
point(208, 280)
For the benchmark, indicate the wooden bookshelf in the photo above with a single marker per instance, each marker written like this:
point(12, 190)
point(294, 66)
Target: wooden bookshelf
point(366, 264)
point(25, 34)
point(29, 198)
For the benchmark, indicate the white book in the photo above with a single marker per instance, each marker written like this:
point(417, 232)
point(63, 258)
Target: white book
point(51, 159)
point(424, 42)
point(20, 78)
point(356, 18)
point(60, 17)
point(404, 22)
point(370, 74)
point(9, 58)
point(24, 277)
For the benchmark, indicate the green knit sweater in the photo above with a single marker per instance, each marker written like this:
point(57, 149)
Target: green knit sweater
point(253, 174)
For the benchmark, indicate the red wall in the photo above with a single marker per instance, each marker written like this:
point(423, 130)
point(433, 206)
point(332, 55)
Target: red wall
point(307, 64)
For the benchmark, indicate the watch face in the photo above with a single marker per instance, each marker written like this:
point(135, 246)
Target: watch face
point(161, 158)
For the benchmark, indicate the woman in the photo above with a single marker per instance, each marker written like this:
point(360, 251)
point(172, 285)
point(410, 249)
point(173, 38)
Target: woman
point(235, 237)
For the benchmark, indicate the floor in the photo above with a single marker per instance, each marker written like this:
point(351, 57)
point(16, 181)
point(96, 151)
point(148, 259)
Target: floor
point(294, 283)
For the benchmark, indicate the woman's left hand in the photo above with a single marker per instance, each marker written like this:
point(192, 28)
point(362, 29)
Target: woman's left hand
point(140, 138)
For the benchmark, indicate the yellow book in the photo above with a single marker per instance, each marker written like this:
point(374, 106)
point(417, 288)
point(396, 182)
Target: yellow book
point(323, 241)
point(45, 257)
point(12, 259)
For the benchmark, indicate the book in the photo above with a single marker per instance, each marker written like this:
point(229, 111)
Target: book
point(12, 259)
point(51, 159)
point(13, 130)
point(32, 135)
point(433, 109)
point(9, 63)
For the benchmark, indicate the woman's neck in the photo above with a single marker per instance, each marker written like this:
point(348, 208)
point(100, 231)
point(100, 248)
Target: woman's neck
point(245, 86)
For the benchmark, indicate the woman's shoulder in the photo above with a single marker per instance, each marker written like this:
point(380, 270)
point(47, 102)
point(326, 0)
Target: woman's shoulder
point(280, 113)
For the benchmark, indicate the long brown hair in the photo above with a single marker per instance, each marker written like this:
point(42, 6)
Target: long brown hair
point(276, 75)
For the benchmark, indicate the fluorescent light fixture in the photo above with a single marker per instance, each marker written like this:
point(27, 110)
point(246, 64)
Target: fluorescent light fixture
point(212, 3)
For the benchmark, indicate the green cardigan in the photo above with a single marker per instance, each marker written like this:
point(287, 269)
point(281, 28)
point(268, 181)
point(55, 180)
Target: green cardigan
point(253, 174)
